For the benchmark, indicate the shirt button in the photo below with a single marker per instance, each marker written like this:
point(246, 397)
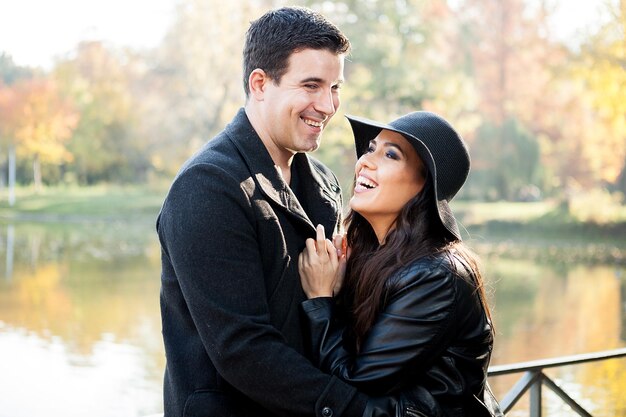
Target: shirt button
point(327, 412)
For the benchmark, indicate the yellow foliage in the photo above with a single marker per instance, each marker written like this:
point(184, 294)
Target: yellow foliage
point(37, 119)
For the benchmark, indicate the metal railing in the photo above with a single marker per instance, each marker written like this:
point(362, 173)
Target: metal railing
point(534, 379)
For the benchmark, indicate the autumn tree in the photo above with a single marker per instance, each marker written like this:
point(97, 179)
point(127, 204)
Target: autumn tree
point(515, 167)
point(514, 62)
point(8, 124)
point(40, 121)
point(10, 72)
point(106, 145)
point(194, 82)
point(600, 68)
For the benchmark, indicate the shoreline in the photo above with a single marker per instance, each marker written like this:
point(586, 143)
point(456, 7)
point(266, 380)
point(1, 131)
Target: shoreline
point(542, 231)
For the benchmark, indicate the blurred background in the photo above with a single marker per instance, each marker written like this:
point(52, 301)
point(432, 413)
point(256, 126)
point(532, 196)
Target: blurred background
point(101, 102)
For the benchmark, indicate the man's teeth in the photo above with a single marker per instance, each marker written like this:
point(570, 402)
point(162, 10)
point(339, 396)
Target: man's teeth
point(365, 182)
point(313, 123)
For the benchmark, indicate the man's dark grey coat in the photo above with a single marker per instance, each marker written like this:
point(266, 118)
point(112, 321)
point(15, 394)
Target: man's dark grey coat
point(231, 231)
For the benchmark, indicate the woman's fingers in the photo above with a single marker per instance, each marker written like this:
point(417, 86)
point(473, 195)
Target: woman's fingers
point(311, 247)
point(332, 253)
point(318, 264)
point(320, 239)
point(339, 275)
point(341, 243)
point(337, 242)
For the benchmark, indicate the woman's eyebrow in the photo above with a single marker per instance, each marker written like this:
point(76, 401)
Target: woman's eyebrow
point(394, 145)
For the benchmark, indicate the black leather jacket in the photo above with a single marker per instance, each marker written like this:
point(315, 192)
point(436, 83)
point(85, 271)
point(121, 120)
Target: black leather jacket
point(432, 339)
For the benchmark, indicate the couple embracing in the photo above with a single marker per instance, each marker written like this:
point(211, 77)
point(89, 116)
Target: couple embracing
point(266, 309)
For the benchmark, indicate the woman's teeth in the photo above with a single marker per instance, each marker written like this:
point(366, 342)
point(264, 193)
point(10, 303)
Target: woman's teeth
point(365, 182)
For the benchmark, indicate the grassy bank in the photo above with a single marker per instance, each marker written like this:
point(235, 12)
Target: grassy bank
point(594, 213)
point(589, 219)
point(72, 204)
point(590, 229)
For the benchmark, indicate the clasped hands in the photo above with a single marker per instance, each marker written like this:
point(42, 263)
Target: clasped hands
point(322, 264)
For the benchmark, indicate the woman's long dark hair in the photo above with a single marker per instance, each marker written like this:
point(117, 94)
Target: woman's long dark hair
point(418, 232)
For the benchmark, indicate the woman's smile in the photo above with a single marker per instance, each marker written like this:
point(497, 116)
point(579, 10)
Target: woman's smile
point(364, 183)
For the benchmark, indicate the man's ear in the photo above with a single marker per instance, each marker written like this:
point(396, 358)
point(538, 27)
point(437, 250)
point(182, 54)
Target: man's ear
point(257, 81)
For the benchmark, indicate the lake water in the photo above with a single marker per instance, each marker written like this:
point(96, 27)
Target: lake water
point(80, 331)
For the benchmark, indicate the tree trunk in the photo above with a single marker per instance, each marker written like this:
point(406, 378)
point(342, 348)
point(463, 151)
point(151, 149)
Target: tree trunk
point(11, 175)
point(37, 173)
point(620, 184)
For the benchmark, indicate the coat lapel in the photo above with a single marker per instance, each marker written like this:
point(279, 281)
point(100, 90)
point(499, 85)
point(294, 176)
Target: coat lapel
point(322, 198)
point(271, 183)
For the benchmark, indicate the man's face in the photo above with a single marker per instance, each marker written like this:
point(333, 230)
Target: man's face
point(297, 110)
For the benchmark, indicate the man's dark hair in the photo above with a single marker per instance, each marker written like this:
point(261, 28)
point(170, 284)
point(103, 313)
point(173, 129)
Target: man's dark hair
point(272, 38)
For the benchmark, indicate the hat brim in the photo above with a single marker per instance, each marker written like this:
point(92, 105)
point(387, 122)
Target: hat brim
point(365, 130)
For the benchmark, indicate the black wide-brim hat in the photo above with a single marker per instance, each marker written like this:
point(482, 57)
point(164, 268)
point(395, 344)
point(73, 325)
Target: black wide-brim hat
point(439, 146)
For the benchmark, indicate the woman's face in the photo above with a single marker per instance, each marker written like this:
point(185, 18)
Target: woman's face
point(388, 175)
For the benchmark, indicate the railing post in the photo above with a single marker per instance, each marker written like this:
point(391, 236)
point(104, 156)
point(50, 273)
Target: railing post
point(525, 382)
point(533, 379)
point(535, 396)
point(568, 400)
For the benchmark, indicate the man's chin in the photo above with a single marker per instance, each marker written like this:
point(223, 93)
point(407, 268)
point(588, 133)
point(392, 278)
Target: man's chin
point(311, 146)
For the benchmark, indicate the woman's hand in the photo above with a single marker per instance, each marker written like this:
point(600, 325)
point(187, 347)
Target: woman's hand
point(340, 242)
point(321, 266)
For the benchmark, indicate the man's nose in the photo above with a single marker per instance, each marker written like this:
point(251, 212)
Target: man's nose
point(327, 103)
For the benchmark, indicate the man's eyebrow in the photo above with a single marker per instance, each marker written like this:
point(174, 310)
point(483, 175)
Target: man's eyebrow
point(312, 80)
point(318, 80)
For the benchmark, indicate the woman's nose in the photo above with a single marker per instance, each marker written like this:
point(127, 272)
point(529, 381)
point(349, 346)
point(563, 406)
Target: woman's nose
point(365, 161)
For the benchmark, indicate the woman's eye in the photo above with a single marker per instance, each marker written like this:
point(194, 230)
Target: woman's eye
point(370, 149)
point(391, 155)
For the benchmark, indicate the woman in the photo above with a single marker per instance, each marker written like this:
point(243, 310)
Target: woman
point(411, 313)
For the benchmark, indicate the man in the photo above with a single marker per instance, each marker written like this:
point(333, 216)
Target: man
point(231, 229)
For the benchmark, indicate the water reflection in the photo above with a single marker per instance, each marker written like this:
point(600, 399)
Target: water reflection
point(80, 324)
point(545, 311)
point(44, 377)
point(79, 321)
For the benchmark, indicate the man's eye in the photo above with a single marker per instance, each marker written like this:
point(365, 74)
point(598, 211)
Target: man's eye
point(311, 86)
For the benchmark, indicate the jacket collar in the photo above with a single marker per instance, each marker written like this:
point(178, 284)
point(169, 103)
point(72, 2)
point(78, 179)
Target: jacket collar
point(270, 181)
